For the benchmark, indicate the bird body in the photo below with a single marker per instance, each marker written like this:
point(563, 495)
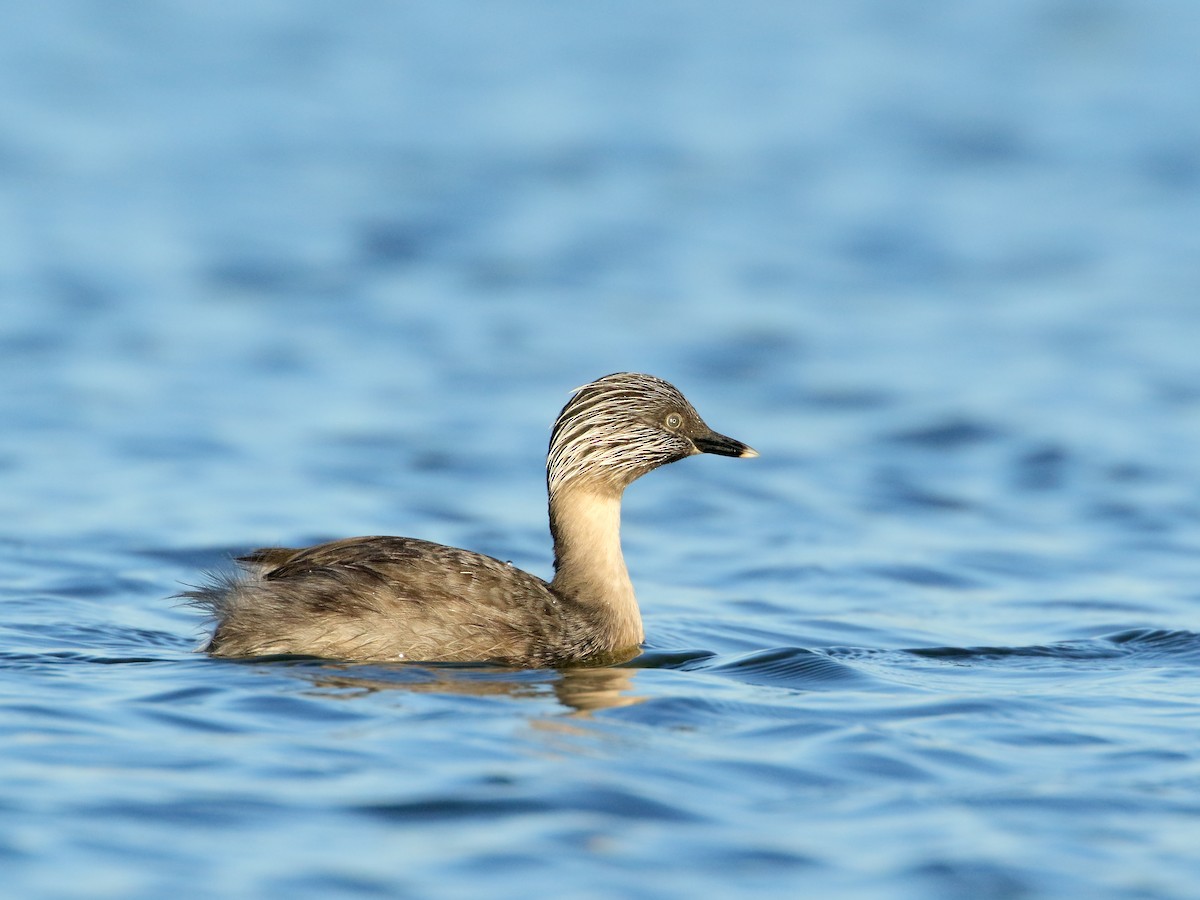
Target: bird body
point(404, 599)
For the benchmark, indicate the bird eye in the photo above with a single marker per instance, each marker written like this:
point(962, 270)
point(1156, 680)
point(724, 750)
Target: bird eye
point(674, 420)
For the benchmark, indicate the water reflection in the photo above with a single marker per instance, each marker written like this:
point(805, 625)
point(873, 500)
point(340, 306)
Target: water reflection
point(581, 690)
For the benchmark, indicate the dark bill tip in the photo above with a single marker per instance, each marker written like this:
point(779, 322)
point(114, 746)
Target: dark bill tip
point(723, 446)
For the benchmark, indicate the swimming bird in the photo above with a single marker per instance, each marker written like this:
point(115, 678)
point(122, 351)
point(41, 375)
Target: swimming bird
point(404, 599)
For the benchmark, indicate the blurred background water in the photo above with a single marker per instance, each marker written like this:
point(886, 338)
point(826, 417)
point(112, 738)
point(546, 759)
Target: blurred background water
point(276, 272)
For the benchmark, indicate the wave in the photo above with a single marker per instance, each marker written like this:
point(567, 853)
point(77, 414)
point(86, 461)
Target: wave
point(1140, 643)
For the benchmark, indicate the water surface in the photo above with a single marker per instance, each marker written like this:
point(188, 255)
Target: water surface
point(286, 273)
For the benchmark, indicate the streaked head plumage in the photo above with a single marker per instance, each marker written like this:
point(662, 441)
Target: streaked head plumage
point(621, 426)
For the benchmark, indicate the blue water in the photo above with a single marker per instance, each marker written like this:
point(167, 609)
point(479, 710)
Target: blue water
point(273, 273)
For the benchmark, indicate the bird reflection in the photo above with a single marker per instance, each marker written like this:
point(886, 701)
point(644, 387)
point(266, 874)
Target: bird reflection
point(579, 689)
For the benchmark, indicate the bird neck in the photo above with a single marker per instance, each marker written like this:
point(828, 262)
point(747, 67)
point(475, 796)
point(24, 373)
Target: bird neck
point(589, 569)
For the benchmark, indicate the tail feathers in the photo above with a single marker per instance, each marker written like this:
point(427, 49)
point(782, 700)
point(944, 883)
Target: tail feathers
point(215, 596)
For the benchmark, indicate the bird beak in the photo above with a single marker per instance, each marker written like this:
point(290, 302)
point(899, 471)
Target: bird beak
point(723, 446)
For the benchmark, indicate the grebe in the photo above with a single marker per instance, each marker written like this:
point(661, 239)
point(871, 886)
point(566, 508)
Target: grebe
point(403, 599)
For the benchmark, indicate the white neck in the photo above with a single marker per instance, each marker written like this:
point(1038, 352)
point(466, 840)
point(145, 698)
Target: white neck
point(589, 568)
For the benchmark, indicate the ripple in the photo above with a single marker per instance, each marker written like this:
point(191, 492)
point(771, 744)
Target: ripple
point(608, 800)
point(790, 667)
point(979, 880)
point(1158, 643)
point(670, 659)
point(1143, 644)
point(947, 435)
point(436, 809)
point(924, 576)
point(52, 660)
point(896, 490)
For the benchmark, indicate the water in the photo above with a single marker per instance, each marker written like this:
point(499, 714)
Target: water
point(285, 272)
